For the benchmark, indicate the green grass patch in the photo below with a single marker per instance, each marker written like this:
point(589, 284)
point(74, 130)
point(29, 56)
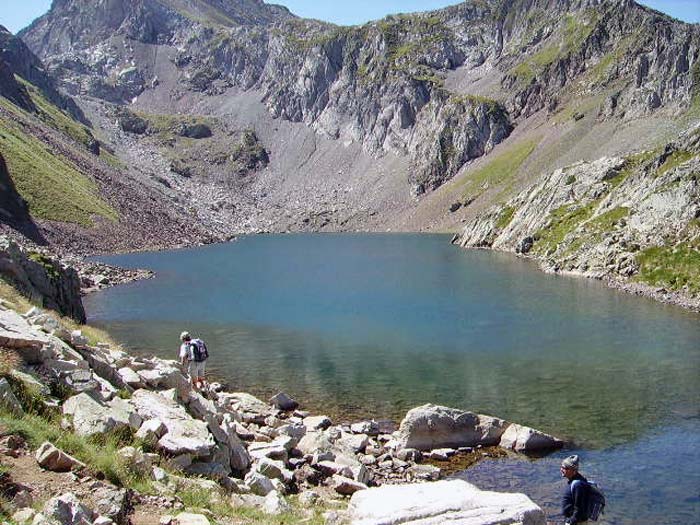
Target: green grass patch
point(52, 186)
point(505, 217)
point(607, 221)
point(56, 118)
point(579, 106)
point(501, 168)
point(674, 268)
point(562, 221)
point(674, 160)
point(99, 453)
point(572, 36)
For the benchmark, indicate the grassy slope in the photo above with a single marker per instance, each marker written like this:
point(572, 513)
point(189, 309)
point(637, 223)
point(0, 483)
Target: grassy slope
point(53, 186)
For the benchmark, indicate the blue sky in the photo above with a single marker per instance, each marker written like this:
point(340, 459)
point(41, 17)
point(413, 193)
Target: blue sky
point(16, 14)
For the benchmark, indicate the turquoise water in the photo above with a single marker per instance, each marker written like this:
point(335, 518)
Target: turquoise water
point(373, 325)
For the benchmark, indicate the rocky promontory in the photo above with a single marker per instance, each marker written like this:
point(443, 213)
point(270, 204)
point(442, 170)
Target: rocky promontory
point(630, 221)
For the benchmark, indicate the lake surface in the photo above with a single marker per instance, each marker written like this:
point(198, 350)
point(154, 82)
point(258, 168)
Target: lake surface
point(362, 326)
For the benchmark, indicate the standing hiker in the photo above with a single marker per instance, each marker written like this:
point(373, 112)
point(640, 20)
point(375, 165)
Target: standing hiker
point(194, 354)
point(574, 502)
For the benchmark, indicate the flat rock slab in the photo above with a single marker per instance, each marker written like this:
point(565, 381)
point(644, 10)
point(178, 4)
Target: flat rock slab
point(185, 435)
point(455, 502)
point(16, 332)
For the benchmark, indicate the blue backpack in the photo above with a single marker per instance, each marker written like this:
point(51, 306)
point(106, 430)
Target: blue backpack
point(198, 351)
point(595, 499)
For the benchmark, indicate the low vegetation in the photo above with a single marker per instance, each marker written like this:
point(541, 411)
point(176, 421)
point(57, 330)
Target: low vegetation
point(505, 217)
point(502, 167)
point(56, 118)
point(672, 267)
point(52, 185)
point(562, 221)
point(674, 160)
point(571, 36)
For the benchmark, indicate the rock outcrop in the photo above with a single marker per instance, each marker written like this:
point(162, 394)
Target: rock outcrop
point(42, 279)
point(617, 219)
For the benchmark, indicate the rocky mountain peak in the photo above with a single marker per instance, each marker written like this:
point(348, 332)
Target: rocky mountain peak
point(79, 24)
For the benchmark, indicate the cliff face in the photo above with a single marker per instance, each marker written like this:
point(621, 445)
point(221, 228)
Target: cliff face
point(383, 84)
point(42, 280)
point(410, 122)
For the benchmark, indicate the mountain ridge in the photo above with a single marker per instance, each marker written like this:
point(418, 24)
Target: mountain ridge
point(412, 122)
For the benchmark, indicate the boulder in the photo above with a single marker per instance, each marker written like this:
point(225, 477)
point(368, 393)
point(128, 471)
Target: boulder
point(31, 382)
point(243, 402)
point(259, 484)
point(27, 340)
point(314, 442)
point(525, 439)
point(273, 469)
point(113, 503)
point(186, 518)
point(8, 399)
point(456, 502)
point(347, 486)
point(371, 428)
point(184, 435)
point(277, 449)
point(130, 377)
point(92, 417)
point(317, 423)
point(283, 402)
point(67, 510)
point(275, 504)
point(354, 442)
point(151, 431)
point(51, 458)
point(430, 427)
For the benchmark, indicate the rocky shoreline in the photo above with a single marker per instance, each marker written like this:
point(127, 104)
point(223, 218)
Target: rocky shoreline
point(247, 452)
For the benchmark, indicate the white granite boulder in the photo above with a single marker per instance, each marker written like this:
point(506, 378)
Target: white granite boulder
point(430, 427)
point(185, 435)
point(90, 417)
point(67, 510)
point(455, 502)
point(525, 439)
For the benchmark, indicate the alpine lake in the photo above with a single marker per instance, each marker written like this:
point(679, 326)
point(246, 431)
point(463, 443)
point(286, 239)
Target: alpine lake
point(359, 326)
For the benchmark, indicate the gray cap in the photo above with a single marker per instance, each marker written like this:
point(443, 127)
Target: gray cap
point(571, 462)
point(185, 336)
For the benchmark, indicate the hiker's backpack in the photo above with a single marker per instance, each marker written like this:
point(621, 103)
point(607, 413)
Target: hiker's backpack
point(198, 350)
point(595, 499)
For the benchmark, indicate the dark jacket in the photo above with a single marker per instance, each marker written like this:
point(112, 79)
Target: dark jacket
point(573, 504)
